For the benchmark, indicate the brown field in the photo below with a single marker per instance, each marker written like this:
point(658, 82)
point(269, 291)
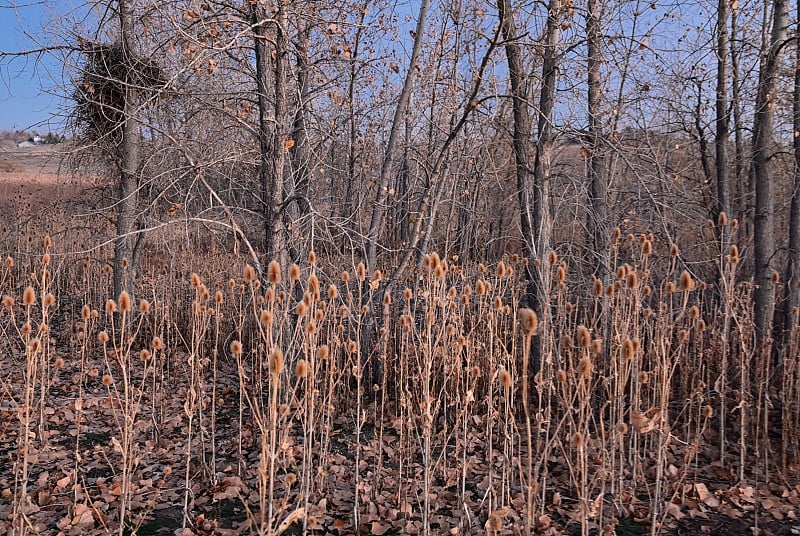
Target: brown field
point(215, 402)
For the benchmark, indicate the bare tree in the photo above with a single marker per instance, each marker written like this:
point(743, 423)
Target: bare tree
point(762, 172)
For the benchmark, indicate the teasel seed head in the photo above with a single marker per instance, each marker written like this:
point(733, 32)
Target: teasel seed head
point(597, 288)
point(236, 348)
point(708, 412)
point(647, 247)
point(775, 277)
point(302, 308)
point(145, 355)
point(480, 287)
point(501, 269)
point(528, 322)
point(633, 280)
point(196, 282)
point(361, 271)
point(9, 262)
point(722, 219)
point(674, 250)
point(683, 336)
point(505, 379)
point(561, 376)
point(686, 281)
point(585, 368)
point(312, 257)
point(323, 352)
point(584, 337)
point(156, 344)
point(671, 287)
point(275, 363)
point(333, 292)
point(387, 298)
point(622, 428)
point(59, 363)
point(301, 369)
point(103, 337)
point(561, 274)
point(125, 302)
point(694, 312)
point(28, 296)
point(628, 350)
point(552, 257)
point(274, 272)
point(111, 306)
point(294, 273)
point(643, 377)
point(107, 380)
point(8, 302)
point(578, 439)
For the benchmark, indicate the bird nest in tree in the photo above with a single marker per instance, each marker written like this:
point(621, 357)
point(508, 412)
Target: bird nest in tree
point(109, 76)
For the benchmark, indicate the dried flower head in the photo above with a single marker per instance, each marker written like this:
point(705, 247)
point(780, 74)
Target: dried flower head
point(722, 219)
point(323, 352)
point(674, 250)
point(107, 380)
point(9, 262)
point(28, 296)
point(505, 379)
point(584, 337)
point(686, 281)
point(312, 257)
point(196, 282)
point(236, 348)
point(275, 363)
point(156, 344)
point(647, 247)
point(528, 322)
point(111, 306)
point(8, 302)
point(361, 271)
point(552, 257)
point(301, 369)
point(103, 337)
point(585, 368)
point(274, 272)
point(125, 302)
point(501, 269)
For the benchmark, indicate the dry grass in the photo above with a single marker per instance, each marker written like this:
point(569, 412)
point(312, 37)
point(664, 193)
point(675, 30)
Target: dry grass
point(312, 400)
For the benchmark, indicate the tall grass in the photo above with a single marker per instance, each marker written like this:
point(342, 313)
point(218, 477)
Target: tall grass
point(317, 397)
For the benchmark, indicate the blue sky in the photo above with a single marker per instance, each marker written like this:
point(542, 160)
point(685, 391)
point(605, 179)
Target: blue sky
point(24, 100)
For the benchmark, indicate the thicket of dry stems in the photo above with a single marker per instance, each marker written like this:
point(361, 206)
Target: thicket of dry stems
point(441, 407)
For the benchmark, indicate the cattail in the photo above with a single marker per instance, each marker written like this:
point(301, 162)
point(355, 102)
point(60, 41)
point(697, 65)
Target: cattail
point(103, 337)
point(236, 348)
point(674, 250)
point(361, 271)
point(8, 302)
point(722, 219)
point(528, 321)
point(125, 302)
point(195, 279)
point(584, 337)
point(111, 306)
point(301, 369)
point(107, 380)
point(505, 379)
point(323, 352)
point(157, 344)
point(29, 296)
point(552, 258)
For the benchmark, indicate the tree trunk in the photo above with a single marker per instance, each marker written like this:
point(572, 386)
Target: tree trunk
point(761, 169)
point(387, 166)
point(722, 113)
point(271, 127)
point(596, 168)
point(131, 145)
point(793, 265)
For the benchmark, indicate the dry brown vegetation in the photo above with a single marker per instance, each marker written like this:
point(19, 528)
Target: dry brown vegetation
point(217, 402)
